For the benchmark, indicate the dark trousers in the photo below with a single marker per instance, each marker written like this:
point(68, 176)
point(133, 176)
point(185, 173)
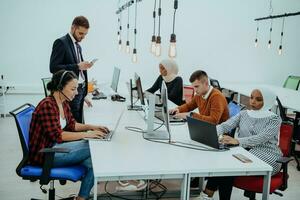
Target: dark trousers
point(223, 184)
point(77, 104)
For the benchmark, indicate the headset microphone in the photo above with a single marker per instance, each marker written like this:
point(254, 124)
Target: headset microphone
point(60, 86)
point(65, 95)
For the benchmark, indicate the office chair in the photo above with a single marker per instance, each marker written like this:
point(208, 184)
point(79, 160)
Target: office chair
point(254, 184)
point(45, 173)
point(45, 82)
point(294, 120)
point(188, 93)
point(292, 82)
point(215, 83)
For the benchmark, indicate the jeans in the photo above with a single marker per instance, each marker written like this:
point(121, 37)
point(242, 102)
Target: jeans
point(79, 154)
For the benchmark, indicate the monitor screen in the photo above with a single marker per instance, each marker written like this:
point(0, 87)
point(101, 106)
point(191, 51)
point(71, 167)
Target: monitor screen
point(165, 110)
point(115, 79)
point(139, 89)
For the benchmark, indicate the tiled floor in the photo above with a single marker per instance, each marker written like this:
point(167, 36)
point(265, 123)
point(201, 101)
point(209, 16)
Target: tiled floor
point(13, 187)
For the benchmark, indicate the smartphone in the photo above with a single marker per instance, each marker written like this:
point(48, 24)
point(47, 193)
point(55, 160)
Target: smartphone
point(242, 158)
point(94, 60)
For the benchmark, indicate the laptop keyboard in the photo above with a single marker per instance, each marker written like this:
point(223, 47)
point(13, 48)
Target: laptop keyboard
point(159, 116)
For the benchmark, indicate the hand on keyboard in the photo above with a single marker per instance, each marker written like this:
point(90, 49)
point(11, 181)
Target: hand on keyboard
point(95, 134)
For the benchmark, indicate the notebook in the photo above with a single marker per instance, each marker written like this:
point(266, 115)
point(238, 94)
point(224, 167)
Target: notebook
point(205, 133)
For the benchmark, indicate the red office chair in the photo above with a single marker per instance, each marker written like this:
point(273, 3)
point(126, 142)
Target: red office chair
point(254, 184)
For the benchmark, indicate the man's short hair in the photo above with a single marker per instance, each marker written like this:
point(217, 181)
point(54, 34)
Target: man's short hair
point(81, 21)
point(198, 75)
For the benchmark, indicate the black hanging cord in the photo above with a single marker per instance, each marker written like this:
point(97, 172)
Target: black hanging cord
point(175, 9)
point(135, 31)
point(159, 14)
point(154, 17)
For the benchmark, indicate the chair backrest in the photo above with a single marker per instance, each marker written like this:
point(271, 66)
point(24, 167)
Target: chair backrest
point(285, 140)
point(282, 110)
point(188, 93)
point(292, 82)
point(234, 109)
point(45, 82)
point(22, 117)
point(215, 83)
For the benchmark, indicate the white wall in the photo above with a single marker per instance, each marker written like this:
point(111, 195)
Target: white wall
point(213, 35)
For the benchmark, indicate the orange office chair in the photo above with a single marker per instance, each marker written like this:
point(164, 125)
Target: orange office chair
point(254, 184)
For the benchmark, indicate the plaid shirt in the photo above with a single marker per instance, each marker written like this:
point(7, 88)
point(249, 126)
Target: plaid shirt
point(45, 129)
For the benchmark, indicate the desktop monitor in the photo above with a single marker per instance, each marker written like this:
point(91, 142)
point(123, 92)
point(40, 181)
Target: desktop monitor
point(164, 101)
point(139, 89)
point(152, 133)
point(115, 79)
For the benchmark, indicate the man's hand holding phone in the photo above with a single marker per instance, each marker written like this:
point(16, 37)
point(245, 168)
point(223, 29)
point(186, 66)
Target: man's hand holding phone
point(93, 61)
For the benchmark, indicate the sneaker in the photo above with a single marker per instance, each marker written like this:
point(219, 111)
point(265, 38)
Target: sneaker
point(204, 196)
point(126, 186)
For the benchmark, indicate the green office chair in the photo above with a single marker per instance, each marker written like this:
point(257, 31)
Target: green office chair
point(45, 82)
point(292, 82)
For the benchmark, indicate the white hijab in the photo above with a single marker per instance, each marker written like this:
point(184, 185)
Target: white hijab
point(269, 99)
point(172, 69)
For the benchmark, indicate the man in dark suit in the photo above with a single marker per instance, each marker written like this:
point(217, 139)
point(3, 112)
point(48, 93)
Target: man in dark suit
point(66, 54)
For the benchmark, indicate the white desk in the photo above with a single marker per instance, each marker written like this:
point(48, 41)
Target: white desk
point(128, 156)
point(289, 98)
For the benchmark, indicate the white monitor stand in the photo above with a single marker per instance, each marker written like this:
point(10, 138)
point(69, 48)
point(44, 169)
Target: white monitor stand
point(150, 133)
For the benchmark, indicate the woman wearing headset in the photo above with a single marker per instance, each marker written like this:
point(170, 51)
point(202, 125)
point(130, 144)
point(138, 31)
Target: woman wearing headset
point(52, 125)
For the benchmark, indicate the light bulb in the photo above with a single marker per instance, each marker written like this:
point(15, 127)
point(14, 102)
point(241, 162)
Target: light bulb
point(158, 46)
point(256, 42)
point(172, 48)
point(119, 36)
point(280, 50)
point(153, 42)
point(120, 45)
point(127, 47)
point(134, 56)
point(269, 44)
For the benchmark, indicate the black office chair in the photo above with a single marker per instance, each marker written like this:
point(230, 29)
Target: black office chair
point(45, 173)
point(215, 83)
point(45, 82)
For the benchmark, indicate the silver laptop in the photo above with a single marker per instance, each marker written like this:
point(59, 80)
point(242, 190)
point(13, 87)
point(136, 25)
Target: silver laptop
point(108, 136)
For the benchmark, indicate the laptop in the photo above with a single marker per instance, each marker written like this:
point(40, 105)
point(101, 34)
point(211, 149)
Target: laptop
point(205, 133)
point(172, 118)
point(109, 135)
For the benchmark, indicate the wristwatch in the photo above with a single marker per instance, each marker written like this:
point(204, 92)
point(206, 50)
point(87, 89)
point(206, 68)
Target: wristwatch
point(191, 114)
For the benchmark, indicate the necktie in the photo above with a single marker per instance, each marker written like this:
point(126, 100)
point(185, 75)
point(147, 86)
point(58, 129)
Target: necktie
point(78, 53)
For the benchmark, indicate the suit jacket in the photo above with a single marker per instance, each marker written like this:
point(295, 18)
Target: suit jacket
point(63, 56)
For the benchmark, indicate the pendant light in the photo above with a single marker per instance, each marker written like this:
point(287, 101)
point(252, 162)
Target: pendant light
point(256, 36)
point(172, 48)
point(281, 36)
point(270, 36)
point(158, 38)
point(127, 49)
point(153, 39)
point(134, 55)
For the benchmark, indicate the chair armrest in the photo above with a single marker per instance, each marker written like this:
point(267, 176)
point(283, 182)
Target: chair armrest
point(284, 160)
point(54, 150)
point(48, 162)
point(284, 168)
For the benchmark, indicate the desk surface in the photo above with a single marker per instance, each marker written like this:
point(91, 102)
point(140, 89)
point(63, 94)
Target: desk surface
point(129, 155)
point(289, 98)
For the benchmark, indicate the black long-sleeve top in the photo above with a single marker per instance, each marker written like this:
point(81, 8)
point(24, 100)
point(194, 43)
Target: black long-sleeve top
point(175, 89)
